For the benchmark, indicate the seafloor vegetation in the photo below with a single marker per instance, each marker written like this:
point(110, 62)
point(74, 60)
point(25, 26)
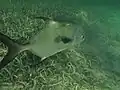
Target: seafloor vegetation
point(95, 65)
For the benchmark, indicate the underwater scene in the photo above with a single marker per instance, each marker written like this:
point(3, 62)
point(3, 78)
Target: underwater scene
point(92, 64)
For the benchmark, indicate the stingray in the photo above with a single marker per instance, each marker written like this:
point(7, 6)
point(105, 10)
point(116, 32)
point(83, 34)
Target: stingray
point(55, 37)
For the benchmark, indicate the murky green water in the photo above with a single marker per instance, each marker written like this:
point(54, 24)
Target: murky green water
point(97, 64)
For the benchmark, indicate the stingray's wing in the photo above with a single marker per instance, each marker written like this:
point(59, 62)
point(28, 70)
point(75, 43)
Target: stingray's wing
point(60, 19)
point(52, 39)
point(44, 18)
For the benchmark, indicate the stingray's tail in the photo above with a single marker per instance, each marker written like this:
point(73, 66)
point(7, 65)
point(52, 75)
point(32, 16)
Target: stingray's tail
point(13, 49)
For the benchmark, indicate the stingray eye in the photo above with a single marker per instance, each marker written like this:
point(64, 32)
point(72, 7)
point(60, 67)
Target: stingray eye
point(65, 39)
